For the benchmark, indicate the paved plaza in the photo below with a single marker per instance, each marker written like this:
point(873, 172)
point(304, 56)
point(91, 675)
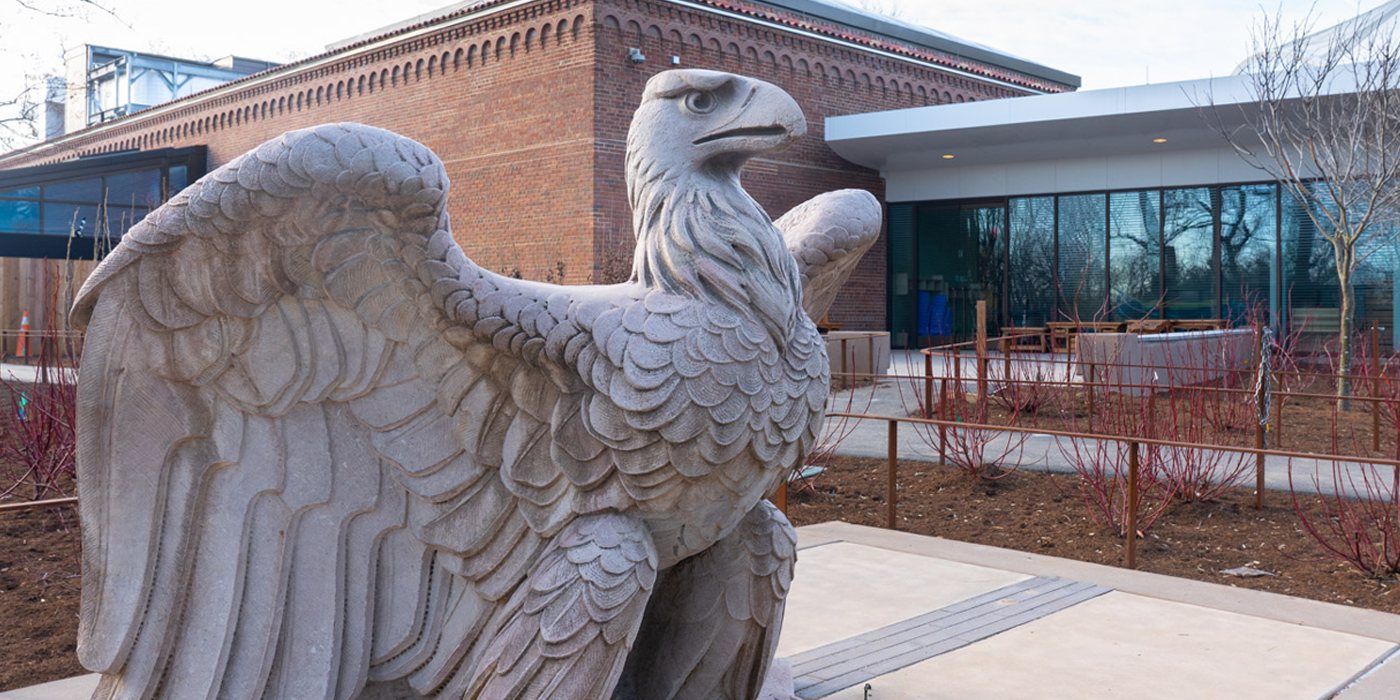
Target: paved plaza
point(924, 618)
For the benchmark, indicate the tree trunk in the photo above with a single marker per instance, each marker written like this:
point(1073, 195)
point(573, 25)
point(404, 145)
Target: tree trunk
point(1344, 341)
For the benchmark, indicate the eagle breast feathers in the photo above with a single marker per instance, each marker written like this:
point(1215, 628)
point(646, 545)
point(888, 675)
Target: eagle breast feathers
point(321, 449)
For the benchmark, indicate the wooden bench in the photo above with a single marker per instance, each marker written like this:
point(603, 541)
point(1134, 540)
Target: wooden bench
point(1198, 324)
point(1067, 330)
point(1149, 326)
point(1031, 338)
point(826, 325)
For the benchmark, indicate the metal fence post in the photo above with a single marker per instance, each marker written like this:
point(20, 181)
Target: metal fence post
point(1263, 338)
point(981, 349)
point(928, 385)
point(891, 494)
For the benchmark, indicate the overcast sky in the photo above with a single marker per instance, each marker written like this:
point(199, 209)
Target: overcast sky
point(1108, 42)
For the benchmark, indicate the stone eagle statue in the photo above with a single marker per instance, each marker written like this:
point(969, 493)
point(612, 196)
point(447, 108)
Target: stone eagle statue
point(323, 455)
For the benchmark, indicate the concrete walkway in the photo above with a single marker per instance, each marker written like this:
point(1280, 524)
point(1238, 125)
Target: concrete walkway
point(20, 374)
point(901, 397)
point(922, 618)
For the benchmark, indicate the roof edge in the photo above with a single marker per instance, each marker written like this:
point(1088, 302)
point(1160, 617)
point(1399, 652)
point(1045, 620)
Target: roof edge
point(930, 39)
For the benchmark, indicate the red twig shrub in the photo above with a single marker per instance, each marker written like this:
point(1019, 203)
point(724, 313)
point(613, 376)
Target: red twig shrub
point(1194, 474)
point(1026, 389)
point(37, 428)
point(982, 452)
point(1360, 523)
point(1103, 465)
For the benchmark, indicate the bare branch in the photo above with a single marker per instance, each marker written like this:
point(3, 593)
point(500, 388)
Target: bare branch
point(1323, 120)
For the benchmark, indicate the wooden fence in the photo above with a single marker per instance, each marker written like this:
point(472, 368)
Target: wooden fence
point(42, 288)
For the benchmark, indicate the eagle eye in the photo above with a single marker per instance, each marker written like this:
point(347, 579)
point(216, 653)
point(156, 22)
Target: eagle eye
point(701, 101)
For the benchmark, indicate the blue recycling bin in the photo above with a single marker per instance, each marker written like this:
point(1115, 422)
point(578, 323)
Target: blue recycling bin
point(935, 316)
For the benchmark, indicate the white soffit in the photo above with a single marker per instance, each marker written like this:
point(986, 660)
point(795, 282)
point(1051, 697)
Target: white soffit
point(1089, 124)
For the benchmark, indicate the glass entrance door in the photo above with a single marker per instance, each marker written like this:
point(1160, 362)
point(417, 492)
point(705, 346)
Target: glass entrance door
point(960, 260)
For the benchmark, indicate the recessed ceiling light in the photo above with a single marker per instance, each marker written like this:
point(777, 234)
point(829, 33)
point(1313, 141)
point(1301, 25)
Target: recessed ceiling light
point(948, 156)
point(1159, 140)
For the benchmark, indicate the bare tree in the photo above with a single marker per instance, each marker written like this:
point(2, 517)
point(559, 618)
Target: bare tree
point(1324, 121)
point(894, 9)
point(20, 109)
point(19, 117)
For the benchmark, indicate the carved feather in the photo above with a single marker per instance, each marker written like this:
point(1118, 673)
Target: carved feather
point(321, 448)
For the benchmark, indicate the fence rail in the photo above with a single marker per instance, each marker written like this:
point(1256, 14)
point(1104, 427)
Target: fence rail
point(1134, 444)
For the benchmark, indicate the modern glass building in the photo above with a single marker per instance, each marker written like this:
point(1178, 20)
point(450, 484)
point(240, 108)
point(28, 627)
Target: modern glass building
point(1118, 204)
point(74, 209)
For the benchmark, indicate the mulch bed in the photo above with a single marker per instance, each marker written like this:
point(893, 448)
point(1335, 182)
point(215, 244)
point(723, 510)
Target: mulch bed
point(40, 563)
point(1045, 514)
point(40, 550)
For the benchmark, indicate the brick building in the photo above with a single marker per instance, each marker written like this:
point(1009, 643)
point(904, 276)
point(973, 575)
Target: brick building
point(528, 102)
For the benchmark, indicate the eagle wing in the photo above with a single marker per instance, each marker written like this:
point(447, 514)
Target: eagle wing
point(827, 235)
point(299, 473)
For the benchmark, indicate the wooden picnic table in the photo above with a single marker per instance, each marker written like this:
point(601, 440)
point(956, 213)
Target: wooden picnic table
point(1068, 329)
point(1032, 338)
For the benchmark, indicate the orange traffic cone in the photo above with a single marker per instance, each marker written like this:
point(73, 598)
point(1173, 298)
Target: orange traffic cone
point(22, 350)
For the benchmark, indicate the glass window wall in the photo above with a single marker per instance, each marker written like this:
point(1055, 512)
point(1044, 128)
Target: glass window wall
point(81, 208)
point(1134, 254)
point(901, 275)
point(1031, 300)
point(1188, 254)
point(1248, 246)
point(1081, 222)
point(1231, 252)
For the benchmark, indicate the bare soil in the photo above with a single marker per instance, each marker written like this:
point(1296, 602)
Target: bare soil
point(40, 564)
point(1045, 514)
point(40, 550)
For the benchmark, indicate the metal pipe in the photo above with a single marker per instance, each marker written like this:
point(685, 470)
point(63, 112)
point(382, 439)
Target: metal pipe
point(29, 505)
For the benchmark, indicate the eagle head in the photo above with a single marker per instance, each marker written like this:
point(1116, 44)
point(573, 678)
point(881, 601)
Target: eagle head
point(712, 120)
point(698, 232)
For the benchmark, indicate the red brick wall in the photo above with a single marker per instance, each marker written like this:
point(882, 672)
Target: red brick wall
point(825, 79)
point(529, 111)
point(505, 102)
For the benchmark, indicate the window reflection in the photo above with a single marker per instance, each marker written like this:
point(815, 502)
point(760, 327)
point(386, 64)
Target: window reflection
point(903, 320)
point(179, 179)
point(19, 216)
point(86, 190)
point(1309, 265)
point(1032, 272)
point(1082, 257)
point(141, 188)
point(1248, 226)
point(64, 219)
point(1188, 253)
point(1134, 244)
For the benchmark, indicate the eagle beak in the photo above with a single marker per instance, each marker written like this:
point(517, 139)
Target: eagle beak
point(766, 120)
